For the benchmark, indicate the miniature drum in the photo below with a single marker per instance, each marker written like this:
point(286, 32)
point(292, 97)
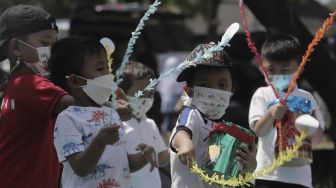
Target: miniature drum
point(225, 139)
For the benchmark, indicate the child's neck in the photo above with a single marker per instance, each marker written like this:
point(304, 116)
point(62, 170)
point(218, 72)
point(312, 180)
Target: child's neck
point(85, 102)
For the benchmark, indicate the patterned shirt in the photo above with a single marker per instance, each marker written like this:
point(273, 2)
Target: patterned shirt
point(74, 130)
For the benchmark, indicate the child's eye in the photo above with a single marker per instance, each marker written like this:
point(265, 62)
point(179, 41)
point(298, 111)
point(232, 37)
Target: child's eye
point(204, 85)
point(45, 43)
point(223, 86)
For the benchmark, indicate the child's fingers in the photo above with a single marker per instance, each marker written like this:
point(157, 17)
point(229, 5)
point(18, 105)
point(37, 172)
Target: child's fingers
point(242, 161)
point(120, 94)
point(189, 161)
point(140, 147)
point(245, 149)
point(242, 154)
point(112, 128)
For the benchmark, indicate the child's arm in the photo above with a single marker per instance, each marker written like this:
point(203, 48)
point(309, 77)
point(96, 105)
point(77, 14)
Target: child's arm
point(164, 158)
point(261, 126)
point(139, 160)
point(83, 163)
point(317, 137)
point(63, 103)
point(184, 146)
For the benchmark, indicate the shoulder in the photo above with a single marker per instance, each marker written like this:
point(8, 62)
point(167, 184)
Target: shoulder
point(187, 113)
point(304, 93)
point(68, 112)
point(261, 91)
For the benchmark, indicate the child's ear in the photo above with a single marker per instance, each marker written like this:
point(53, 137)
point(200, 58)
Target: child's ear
point(14, 48)
point(189, 91)
point(73, 81)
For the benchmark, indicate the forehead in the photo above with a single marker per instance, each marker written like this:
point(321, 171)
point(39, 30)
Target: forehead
point(213, 73)
point(93, 59)
point(290, 63)
point(44, 34)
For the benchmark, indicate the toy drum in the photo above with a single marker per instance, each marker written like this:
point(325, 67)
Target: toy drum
point(225, 139)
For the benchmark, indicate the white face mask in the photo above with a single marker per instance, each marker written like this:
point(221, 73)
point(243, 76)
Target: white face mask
point(141, 107)
point(41, 66)
point(100, 88)
point(211, 102)
point(281, 81)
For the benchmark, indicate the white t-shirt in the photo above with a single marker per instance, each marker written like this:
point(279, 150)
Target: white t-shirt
point(265, 154)
point(144, 131)
point(74, 130)
point(200, 128)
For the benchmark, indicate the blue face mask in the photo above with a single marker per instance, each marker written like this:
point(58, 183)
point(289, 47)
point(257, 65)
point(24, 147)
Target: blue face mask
point(281, 81)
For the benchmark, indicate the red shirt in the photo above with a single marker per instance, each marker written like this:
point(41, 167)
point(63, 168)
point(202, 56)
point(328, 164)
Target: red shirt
point(27, 155)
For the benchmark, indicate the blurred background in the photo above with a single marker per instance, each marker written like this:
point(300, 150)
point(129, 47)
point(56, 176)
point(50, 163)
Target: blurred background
point(178, 26)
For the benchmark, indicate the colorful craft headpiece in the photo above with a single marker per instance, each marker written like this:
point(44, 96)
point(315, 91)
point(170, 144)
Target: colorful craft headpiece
point(197, 57)
point(215, 58)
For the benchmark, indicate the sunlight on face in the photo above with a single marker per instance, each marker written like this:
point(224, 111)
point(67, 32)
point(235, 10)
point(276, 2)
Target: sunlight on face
point(276, 68)
point(214, 77)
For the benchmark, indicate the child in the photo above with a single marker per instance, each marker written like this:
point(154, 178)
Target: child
point(280, 57)
point(30, 102)
point(89, 138)
point(209, 82)
point(140, 128)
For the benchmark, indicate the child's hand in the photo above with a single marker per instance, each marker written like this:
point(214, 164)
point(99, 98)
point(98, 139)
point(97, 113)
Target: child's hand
point(278, 111)
point(149, 155)
point(109, 135)
point(186, 153)
point(123, 108)
point(247, 157)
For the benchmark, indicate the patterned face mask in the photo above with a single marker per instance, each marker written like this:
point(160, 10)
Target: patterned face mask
point(141, 107)
point(41, 66)
point(211, 102)
point(281, 81)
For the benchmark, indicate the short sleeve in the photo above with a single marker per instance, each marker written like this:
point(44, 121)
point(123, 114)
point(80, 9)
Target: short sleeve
point(187, 121)
point(67, 137)
point(160, 144)
point(258, 107)
point(317, 113)
point(43, 94)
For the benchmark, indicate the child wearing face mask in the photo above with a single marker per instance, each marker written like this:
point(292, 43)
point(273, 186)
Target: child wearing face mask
point(89, 137)
point(210, 86)
point(141, 129)
point(30, 102)
point(280, 56)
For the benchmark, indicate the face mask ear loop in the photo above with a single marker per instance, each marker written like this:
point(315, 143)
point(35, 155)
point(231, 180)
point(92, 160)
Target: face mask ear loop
point(67, 77)
point(17, 63)
point(27, 44)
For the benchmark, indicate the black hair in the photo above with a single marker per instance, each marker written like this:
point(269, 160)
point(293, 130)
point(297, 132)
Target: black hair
point(134, 71)
point(67, 57)
point(190, 81)
point(281, 48)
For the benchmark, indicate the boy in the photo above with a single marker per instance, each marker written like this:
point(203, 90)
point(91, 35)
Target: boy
point(141, 129)
point(89, 137)
point(210, 87)
point(280, 57)
point(30, 102)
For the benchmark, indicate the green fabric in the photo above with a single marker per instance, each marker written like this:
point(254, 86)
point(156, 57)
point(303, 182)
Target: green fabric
point(226, 164)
